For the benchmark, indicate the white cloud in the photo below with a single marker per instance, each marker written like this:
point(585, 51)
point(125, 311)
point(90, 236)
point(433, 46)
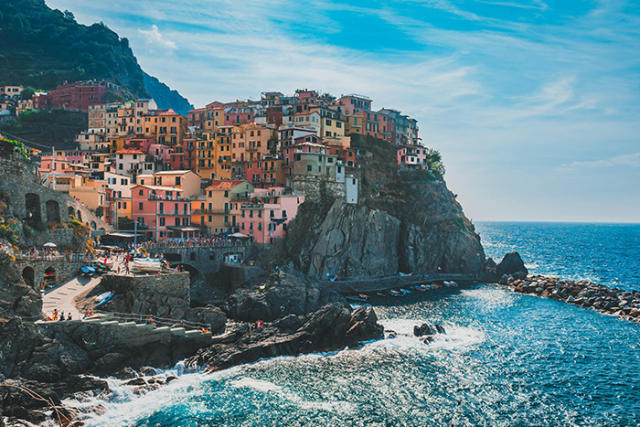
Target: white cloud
point(631, 159)
point(154, 36)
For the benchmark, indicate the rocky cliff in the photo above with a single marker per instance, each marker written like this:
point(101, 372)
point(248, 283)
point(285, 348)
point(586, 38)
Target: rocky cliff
point(406, 222)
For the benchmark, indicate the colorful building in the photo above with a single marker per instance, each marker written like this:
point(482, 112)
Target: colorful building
point(266, 213)
point(162, 212)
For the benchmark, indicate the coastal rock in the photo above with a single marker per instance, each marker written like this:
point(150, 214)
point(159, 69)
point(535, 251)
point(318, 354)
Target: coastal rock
point(427, 330)
point(211, 316)
point(278, 295)
point(582, 293)
point(404, 222)
point(513, 265)
point(16, 298)
point(332, 326)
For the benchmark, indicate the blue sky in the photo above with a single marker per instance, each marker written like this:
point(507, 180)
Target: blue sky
point(534, 104)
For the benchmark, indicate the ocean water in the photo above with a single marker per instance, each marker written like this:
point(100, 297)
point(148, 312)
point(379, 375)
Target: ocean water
point(608, 254)
point(506, 359)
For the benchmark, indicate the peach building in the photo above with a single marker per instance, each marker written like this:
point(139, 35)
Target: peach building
point(185, 180)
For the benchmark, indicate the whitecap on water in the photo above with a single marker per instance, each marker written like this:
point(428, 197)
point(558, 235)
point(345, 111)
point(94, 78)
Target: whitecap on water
point(531, 265)
point(263, 386)
point(124, 405)
point(456, 338)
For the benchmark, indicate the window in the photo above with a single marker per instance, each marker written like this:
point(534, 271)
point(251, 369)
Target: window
point(162, 222)
point(309, 168)
point(259, 226)
point(140, 206)
point(140, 192)
point(284, 213)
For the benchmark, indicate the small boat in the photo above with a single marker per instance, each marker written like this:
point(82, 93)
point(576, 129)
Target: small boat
point(421, 288)
point(395, 293)
point(405, 291)
point(103, 298)
point(450, 284)
point(354, 298)
point(87, 270)
point(364, 296)
point(146, 265)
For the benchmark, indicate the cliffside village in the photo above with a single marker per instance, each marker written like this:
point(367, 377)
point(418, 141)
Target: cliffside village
point(237, 167)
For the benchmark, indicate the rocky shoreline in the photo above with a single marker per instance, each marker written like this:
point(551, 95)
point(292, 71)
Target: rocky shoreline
point(612, 301)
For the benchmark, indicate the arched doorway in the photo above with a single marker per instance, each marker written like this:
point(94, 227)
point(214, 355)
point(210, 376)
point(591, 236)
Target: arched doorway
point(71, 212)
point(79, 215)
point(50, 277)
point(194, 273)
point(53, 212)
point(93, 225)
point(32, 209)
point(28, 275)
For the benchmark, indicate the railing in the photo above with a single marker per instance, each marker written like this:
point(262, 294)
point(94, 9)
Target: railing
point(197, 244)
point(58, 258)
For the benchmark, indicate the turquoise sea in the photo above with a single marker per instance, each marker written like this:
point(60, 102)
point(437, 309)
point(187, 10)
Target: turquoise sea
point(506, 360)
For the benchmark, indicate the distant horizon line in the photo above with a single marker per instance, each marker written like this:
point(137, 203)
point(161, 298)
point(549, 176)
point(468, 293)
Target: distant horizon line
point(557, 222)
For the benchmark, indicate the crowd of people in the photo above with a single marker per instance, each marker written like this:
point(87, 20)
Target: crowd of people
point(51, 254)
point(195, 242)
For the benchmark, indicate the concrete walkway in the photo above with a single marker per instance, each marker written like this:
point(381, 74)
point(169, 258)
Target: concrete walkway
point(62, 297)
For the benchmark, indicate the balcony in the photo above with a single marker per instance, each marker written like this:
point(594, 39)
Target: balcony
point(210, 212)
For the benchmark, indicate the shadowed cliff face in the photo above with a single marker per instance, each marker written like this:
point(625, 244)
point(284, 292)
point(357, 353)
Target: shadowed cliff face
point(406, 222)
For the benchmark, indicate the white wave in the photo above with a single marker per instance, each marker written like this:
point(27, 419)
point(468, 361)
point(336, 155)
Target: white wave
point(456, 338)
point(532, 265)
point(125, 404)
point(263, 386)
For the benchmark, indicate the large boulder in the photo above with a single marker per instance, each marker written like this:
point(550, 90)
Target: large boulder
point(512, 265)
point(211, 316)
point(16, 298)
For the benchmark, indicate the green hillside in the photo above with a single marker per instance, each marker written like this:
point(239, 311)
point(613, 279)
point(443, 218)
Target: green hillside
point(43, 47)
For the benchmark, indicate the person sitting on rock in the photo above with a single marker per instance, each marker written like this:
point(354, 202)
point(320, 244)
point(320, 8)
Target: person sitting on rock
point(61, 316)
point(69, 316)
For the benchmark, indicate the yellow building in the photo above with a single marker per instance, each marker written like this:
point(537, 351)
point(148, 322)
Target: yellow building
point(213, 213)
point(166, 127)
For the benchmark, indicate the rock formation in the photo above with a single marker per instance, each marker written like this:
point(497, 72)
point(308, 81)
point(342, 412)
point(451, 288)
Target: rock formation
point(332, 327)
point(405, 222)
point(604, 299)
point(277, 295)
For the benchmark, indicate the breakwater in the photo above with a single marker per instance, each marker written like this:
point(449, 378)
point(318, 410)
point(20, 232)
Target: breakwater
point(583, 293)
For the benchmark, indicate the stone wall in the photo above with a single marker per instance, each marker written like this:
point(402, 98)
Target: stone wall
point(315, 188)
point(164, 295)
point(65, 270)
point(37, 205)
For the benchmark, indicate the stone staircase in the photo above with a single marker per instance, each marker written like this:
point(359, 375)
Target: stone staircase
point(140, 332)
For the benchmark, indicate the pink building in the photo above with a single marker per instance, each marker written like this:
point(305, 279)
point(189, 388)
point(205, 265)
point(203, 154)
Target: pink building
point(351, 104)
point(266, 213)
point(160, 152)
point(161, 212)
point(412, 157)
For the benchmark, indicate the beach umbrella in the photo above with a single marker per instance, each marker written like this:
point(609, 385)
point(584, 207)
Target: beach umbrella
point(239, 236)
point(49, 245)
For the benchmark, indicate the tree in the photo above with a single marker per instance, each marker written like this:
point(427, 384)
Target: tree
point(99, 211)
point(28, 92)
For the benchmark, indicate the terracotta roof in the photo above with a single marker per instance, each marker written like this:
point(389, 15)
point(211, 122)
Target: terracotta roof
point(225, 184)
point(129, 151)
